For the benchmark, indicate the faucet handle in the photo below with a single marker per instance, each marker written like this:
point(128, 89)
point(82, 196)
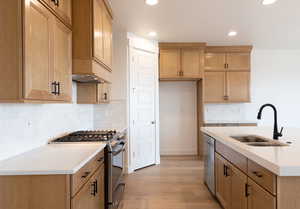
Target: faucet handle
point(281, 130)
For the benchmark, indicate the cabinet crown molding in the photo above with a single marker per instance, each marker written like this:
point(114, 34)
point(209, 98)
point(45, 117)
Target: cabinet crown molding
point(165, 45)
point(228, 49)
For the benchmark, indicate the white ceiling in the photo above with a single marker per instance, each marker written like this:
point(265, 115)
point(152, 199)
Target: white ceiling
point(269, 27)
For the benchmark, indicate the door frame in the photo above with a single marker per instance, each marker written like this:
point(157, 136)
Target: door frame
point(150, 46)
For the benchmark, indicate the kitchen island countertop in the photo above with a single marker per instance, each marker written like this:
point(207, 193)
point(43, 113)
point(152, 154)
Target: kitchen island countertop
point(283, 161)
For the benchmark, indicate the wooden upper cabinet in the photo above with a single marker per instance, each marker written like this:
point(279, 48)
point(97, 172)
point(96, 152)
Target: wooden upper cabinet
point(93, 93)
point(107, 39)
point(92, 40)
point(38, 47)
point(169, 64)
point(233, 62)
point(215, 61)
point(238, 61)
point(103, 93)
point(40, 70)
point(181, 61)
point(62, 9)
point(215, 87)
point(98, 49)
point(63, 60)
point(259, 198)
point(238, 86)
point(192, 63)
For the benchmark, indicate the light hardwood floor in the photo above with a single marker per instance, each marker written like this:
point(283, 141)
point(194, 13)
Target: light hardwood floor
point(175, 184)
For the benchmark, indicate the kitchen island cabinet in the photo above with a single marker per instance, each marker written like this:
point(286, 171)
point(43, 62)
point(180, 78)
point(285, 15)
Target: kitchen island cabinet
point(251, 177)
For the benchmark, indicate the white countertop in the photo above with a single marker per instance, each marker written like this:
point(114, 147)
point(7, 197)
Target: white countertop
point(229, 121)
point(283, 161)
point(51, 159)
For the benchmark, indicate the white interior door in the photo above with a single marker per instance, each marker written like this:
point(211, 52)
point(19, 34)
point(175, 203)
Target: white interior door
point(144, 66)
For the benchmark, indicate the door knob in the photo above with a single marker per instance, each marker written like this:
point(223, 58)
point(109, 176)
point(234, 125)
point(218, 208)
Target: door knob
point(153, 122)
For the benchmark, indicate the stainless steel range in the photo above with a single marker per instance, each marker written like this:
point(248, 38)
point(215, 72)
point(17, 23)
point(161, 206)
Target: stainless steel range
point(114, 163)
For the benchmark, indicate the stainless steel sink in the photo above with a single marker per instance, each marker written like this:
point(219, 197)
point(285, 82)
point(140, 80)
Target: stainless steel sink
point(249, 138)
point(258, 141)
point(267, 144)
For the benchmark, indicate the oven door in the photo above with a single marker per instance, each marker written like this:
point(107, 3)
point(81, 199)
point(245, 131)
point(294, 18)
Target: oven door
point(118, 151)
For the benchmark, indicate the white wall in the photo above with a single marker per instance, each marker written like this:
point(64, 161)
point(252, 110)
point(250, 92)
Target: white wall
point(276, 80)
point(178, 118)
point(27, 126)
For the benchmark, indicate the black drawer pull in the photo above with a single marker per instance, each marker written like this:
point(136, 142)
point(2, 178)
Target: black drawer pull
point(259, 175)
point(100, 159)
point(86, 174)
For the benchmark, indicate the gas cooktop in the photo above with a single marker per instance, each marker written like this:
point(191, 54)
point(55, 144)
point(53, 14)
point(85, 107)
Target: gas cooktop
point(88, 136)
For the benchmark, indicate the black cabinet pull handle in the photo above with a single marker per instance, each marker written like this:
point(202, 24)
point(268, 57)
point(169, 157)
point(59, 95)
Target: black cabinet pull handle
point(86, 174)
point(100, 159)
point(54, 87)
point(247, 186)
point(259, 175)
point(94, 188)
point(58, 88)
point(105, 96)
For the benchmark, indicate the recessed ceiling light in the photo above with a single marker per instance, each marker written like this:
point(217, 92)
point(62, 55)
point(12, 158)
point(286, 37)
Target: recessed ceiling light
point(151, 2)
point(152, 34)
point(268, 2)
point(232, 33)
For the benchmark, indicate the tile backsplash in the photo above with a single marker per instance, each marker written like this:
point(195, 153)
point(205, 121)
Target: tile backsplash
point(26, 126)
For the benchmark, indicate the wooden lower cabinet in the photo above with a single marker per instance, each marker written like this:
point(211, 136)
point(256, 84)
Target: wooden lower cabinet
point(238, 182)
point(235, 190)
point(56, 191)
point(91, 196)
point(222, 181)
point(259, 198)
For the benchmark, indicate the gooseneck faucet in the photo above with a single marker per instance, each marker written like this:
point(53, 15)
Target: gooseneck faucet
point(276, 134)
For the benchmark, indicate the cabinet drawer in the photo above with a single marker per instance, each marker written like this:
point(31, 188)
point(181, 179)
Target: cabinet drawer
point(234, 157)
point(262, 176)
point(84, 174)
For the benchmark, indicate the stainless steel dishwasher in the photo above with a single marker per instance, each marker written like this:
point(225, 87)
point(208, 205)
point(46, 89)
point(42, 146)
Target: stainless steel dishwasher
point(209, 163)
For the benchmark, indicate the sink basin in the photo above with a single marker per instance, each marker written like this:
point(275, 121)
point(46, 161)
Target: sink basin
point(267, 144)
point(249, 138)
point(258, 141)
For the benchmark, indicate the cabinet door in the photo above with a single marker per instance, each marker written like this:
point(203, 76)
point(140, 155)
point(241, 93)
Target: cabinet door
point(238, 61)
point(222, 182)
point(103, 93)
point(91, 196)
point(238, 86)
point(64, 9)
point(169, 63)
point(215, 61)
point(107, 43)
point(62, 59)
point(38, 43)
point(214, 87)
point(237, 189)
point(191, 63)
point(98, 30)
point(259, 198)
